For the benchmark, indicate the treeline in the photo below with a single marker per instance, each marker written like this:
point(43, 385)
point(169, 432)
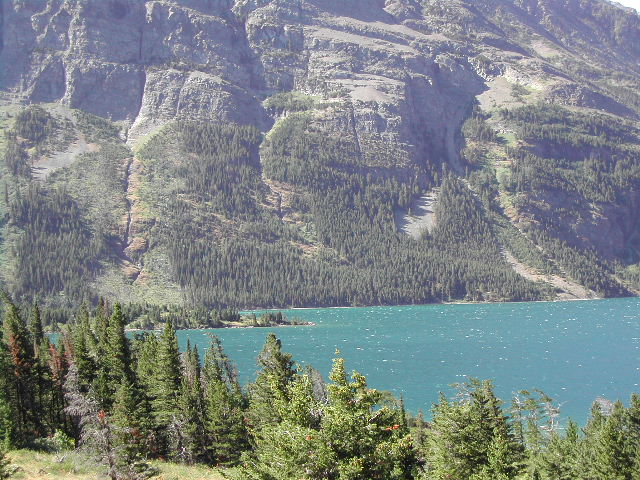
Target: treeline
point(127, 400)
point(144, 316)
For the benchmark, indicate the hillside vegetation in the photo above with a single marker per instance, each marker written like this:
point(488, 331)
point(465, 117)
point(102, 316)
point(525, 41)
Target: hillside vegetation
point(269, 157)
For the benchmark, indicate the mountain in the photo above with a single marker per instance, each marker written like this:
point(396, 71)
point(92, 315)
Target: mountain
point(269, 153)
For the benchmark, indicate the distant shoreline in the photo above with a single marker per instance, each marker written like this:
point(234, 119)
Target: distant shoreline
point(288, 309)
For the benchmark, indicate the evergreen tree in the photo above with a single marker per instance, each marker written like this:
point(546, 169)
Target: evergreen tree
point(7, 398)
point(37, 332)
point(101, 386)
point(83, 343)
point(167, 379)
point(468, 437)
point(22, 375)
point(188, 436)
point(224, 402)
point(272, 381)
point(56, 372)
point(130, 431)
point(350, 437)
point(558, 460)
point(614, 453)
point(117, 361)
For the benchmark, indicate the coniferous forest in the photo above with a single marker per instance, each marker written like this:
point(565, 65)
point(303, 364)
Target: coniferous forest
point(127, 400)
point(222, 217)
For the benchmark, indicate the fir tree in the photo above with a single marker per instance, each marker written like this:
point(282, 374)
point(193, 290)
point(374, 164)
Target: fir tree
point(272, 381)
point(558, 460)
point(130, 431)
point(226, 432)
point(83, 344)
point(470, 435)
point(37, 332)
point(102, 384)
point(7, 399)
point(167, 378)
point(190, 439)
point(117, 361)
point(614, 453)
point(350, 437)
point(22, 374)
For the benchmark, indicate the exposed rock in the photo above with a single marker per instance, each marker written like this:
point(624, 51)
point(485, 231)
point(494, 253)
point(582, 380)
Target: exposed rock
point(406, 82)
point(578, 95)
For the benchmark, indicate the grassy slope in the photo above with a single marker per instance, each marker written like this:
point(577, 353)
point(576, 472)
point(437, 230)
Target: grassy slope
point(72, 466)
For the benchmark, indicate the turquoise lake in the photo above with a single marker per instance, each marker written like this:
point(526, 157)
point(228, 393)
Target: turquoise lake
point(573, 351)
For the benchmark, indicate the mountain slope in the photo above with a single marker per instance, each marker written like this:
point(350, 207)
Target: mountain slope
point(259, 153)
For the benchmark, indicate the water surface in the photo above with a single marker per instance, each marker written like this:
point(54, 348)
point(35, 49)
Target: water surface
point(574, 351)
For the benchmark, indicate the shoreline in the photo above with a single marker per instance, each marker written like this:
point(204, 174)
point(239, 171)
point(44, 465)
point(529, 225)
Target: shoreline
point(291, 309)
point(313, 324)
point(224, 327)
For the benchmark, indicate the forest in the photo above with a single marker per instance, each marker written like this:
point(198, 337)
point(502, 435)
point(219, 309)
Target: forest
point(229, 219)
point(125, 400)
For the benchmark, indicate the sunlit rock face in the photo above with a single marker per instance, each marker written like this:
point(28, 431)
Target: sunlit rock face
point(403, 74)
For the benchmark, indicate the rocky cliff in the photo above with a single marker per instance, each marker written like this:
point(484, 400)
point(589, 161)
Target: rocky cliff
point(396, 78)
point(408, 71)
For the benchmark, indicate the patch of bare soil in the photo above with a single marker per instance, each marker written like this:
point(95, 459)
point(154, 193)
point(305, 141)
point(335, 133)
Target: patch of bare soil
point(569, 290)
point(46, 165)
point(420, 217)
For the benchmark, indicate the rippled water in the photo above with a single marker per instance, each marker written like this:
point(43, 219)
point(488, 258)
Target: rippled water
point(574, 351)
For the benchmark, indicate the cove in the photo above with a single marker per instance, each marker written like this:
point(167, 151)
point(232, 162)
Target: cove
point(573, 351)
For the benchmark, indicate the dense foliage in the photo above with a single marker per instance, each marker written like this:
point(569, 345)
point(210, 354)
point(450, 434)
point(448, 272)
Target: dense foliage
point(225, 218)
point(56, 239)
point(567, 169)
point(125, 400)
point(56, 251)
point(226, 250)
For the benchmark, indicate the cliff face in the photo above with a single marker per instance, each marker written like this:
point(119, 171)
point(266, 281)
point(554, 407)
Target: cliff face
point(149, 63)
point(408, 70)
point(396, 78)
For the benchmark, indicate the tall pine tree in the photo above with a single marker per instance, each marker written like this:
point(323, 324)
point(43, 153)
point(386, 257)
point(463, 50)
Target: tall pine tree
point(224, 403)
point(272, 381)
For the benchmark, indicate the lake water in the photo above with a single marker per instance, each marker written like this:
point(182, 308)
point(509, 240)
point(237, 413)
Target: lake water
point(574, 351)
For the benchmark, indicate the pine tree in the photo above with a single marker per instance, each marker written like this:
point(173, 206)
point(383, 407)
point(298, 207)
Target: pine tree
point(7, 403)
point(633, 419)
point(226, 432)
point(614, 453)
point(117, 361)
point(37, 332)
point(130, 431)
point(190, 438)
point(56, 373)
point(272, 381)
point(350, 437)
point(466, 436)
point(167, 378)
point(22, 375)
point(101, 386)
point(83, 343)
point(558, 460)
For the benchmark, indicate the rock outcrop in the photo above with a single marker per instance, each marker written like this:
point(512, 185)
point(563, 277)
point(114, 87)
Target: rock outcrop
point(407, 75)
